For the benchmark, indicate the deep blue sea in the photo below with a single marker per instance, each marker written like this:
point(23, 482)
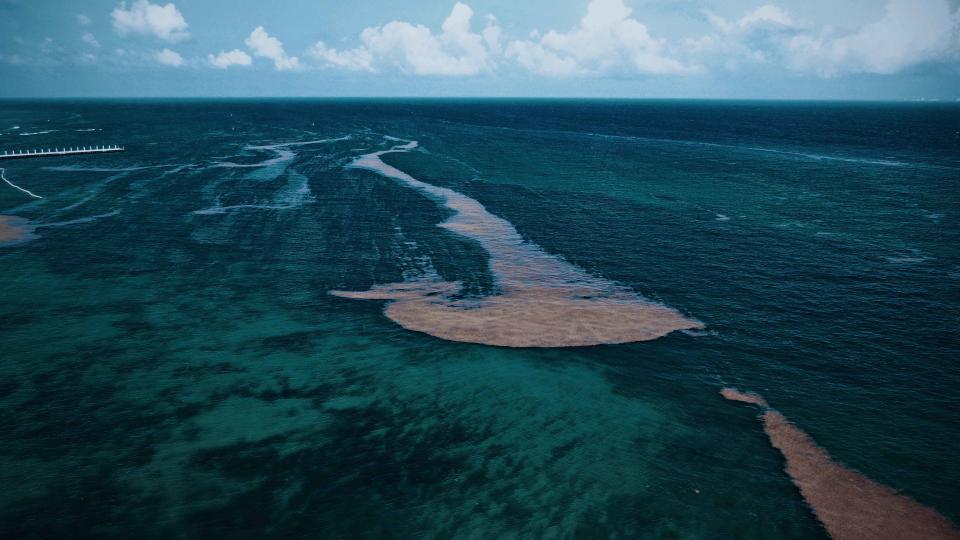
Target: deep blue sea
point(174, 365)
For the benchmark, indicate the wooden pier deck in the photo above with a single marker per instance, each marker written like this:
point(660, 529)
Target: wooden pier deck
point(55, 152)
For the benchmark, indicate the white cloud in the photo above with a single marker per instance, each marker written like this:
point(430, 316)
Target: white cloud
point(539, 59)
point(358, 59)
point(754, 38)
point(456, 51)
point(492, 34)
point(83, 20)
point(89, 39)
point(226, 59)
point(763, 16)
point(266, 46)
point(169, 58)
point(606, 40)
point(142, 17)
point(911, 32)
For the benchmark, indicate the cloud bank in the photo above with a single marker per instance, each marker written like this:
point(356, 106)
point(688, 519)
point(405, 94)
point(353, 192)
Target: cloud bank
point(610, 41)
point(910, 33)
point(607, 39)
point(415, 49)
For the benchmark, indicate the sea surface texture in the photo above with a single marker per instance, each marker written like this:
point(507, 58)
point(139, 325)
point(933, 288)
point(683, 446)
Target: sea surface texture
point(475, 319)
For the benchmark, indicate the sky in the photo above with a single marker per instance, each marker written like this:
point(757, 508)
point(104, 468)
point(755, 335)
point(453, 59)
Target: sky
point(711, 49)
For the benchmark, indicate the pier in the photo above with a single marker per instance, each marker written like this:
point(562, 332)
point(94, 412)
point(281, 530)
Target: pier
point(54, 152)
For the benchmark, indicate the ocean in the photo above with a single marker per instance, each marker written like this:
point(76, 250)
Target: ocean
point(471, 318)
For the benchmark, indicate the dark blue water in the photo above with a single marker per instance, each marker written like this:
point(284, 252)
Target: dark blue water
point(173, 364)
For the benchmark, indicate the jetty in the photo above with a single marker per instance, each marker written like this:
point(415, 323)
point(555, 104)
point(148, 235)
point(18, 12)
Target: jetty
point(54, 152)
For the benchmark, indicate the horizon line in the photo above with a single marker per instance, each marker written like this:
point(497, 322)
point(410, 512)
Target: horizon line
point(955, 101)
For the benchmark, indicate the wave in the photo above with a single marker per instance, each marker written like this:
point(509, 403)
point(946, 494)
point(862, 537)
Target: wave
point(215, 210)
point(302, 143)
point(79, 203)
point(294, 195)
point(281, 149)
point(77, 221)
point(822, 157)
point(27, 191)
point(72, 168)
point(908, 260)
point(541, 300)
point(282, 156)
point(909, 256)
point(789, 153)
point(850, 505)
point(26, 134)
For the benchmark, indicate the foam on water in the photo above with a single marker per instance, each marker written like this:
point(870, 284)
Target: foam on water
point(297, 191)
point(11, 184)
point(305, 143)
point(77, 221)
point(215, 210)
point(282, 150)
point(77, 204)
point(821, 157)
point(294, 195)
point(908, 259)
point(73, 168)
point(887, 162)
point(850, 505)
point(283, 155)
point(541, 300)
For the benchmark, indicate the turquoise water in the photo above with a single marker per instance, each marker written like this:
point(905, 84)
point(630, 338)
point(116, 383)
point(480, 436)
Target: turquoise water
point(174, 365)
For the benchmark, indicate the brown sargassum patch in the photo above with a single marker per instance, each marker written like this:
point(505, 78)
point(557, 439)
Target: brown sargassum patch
point(849, 505)
point(13, 230)
point(540, 301)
